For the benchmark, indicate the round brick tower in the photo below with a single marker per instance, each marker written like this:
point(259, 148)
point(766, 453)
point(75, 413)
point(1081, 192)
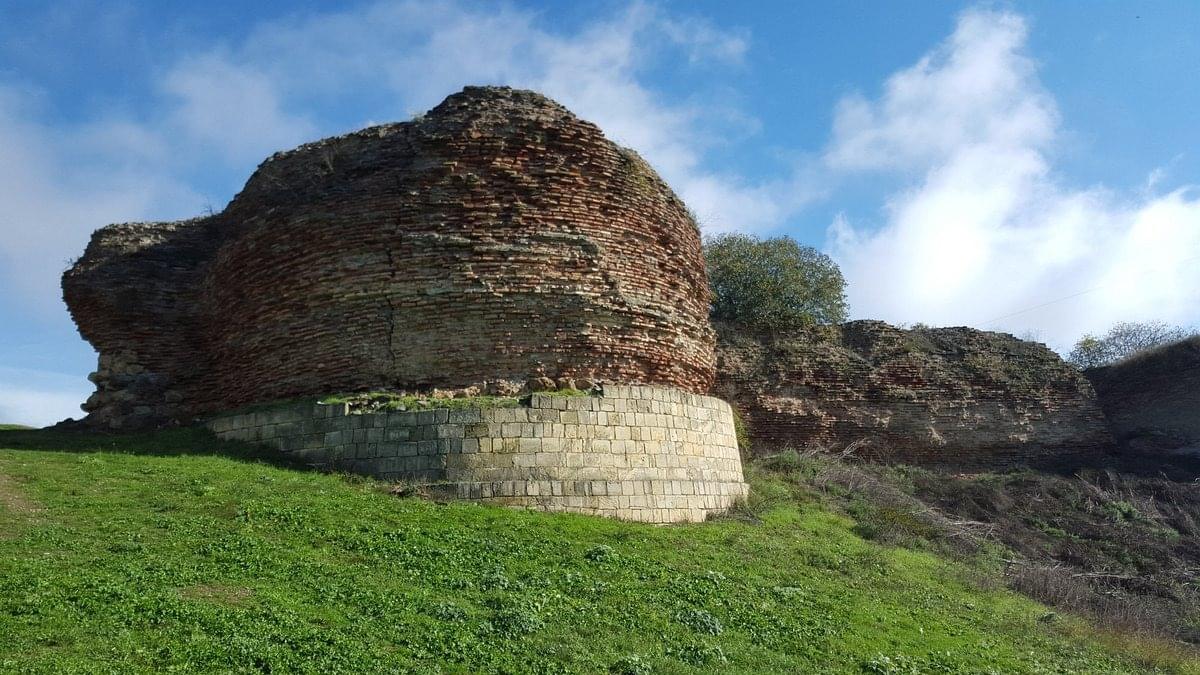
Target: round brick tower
point(496, 237)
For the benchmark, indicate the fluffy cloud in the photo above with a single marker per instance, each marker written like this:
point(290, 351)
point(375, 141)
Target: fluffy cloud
point(410, 55)
point(58, 184)
point(37, 398)
point(231, 109)
point(987, 234)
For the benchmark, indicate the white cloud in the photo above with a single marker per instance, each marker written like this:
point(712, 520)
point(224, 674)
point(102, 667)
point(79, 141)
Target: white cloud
point(38, 398)
point(979, 88)
point(231, 109)
point(59, 184)
point(988, 230)
point(704, 41)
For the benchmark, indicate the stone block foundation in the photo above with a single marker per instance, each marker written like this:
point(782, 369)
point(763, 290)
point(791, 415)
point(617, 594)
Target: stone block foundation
point(644, 453)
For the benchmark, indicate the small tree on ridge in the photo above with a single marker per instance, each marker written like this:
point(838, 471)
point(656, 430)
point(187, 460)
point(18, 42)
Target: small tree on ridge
point(773, 284)
point(1122, 341)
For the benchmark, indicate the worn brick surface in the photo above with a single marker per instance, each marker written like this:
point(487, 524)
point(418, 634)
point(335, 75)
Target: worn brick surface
point(496, 237)
point(643, 453)
point(1152, 400)
point(949, 396)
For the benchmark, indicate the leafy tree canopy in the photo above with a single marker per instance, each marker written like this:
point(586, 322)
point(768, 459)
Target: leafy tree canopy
point(773, 284)
point(1124, 340)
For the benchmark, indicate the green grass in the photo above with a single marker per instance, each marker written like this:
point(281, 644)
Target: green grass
point(177, 552)
point(13, 427)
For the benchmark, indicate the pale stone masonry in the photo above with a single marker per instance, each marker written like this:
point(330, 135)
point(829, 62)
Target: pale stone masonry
point(645, 453)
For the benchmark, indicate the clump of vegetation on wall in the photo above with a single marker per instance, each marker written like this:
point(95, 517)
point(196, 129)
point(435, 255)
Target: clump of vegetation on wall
point(382, 400)
point(741, 432)
point(773, 284)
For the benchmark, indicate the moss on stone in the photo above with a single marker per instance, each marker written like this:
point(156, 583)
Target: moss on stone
point(392, 401)
point(383, 400)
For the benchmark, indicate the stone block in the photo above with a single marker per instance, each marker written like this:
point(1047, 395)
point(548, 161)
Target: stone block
point(450, 431)
point(465, 416)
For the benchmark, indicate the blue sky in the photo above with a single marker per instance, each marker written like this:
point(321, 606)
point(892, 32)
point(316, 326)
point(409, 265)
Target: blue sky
point(1027, 167)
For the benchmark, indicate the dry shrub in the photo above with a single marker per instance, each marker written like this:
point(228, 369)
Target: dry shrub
point(887, 514)
point(1118, 547)
point(1098, 597)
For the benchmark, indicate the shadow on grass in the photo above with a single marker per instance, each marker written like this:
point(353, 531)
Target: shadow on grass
point(162, 443)
point(1175, 467)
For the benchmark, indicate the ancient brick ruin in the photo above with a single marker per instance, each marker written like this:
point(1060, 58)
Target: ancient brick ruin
point(494, 240)
point(945, 396)
point(496, 245)
point(500, 245)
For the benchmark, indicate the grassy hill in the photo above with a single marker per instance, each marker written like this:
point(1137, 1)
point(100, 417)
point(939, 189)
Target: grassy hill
point(177, 552)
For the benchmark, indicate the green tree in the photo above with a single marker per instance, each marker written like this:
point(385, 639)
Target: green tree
point(773, 284)
point(1089, 352)
point(1124, 340)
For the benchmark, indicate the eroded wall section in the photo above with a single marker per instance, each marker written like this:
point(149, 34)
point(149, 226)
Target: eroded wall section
point(497, 237)
point(1152, 400)
point(940, 396)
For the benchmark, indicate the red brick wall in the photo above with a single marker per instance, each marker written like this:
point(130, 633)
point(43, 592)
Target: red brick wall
point(942, 396)
point(497, 237)
point(1152, 399)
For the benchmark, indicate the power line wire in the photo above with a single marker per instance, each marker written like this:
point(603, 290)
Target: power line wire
point(1044, 304)
point(1065, 297)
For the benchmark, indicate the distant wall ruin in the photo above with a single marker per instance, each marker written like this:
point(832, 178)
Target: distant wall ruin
point(948, 396)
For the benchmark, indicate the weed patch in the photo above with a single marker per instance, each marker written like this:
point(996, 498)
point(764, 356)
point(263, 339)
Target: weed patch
point(1119, 549)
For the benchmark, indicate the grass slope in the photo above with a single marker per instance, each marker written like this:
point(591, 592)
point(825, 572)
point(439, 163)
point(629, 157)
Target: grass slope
point(178, 556)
